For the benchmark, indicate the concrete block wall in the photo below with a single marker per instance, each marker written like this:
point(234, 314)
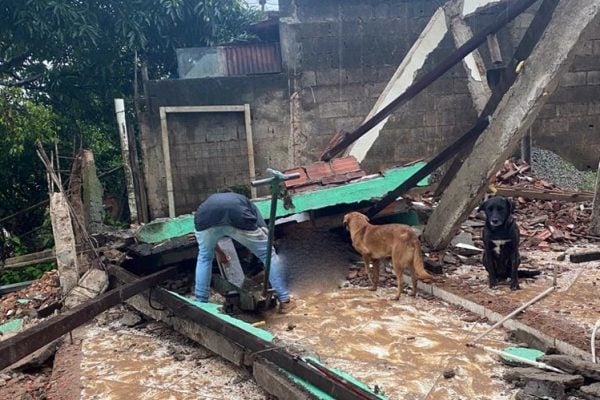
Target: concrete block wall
point(343, 55)
point(209, 150)
point(338, 56)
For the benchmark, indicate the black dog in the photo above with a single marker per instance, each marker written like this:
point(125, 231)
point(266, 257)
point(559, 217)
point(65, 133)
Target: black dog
point(501, 258)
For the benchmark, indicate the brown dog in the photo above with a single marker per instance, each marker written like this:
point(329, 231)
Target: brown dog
point(377, 242)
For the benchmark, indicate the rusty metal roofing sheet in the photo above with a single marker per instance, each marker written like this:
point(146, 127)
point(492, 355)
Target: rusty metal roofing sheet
point(255, 58)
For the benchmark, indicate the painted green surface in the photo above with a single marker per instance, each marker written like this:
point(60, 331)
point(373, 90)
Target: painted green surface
point(14, 325)
point(523, 352)
point(322, 395)
point(213, 309)
point(355, 192)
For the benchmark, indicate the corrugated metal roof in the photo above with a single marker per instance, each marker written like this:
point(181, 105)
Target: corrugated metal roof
point(249, 59)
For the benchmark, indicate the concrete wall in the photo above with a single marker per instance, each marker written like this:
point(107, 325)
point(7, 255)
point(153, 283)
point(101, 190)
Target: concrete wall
point(208, 151)
point(337, 56)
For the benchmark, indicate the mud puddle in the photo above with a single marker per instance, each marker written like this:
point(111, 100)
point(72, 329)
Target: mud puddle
point(403, 346)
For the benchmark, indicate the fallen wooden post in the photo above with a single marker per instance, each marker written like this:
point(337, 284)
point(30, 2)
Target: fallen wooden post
point(536, 194)
point(28, 341)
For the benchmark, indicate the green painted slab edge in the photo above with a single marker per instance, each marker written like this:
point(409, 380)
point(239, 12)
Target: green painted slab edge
point(167, 228)
point(14, 325)
point(322, 395)
point(523, 352)
point(213, 309)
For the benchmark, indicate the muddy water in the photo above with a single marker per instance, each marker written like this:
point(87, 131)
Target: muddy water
point(401, 346)
point(125, 364)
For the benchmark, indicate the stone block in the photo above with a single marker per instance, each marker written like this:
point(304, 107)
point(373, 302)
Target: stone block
point(593, 77)
point(573, 79)
point(571, 109)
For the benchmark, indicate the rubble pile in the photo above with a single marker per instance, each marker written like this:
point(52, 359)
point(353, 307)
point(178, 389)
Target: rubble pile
point(580, 380)
point(513, 172)
point(25, 303)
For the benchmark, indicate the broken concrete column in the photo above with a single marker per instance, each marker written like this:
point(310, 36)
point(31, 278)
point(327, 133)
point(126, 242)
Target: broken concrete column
point(595, 222)
point(516, 112)
point(92, 193)
point(64, 242)
point(572, 365)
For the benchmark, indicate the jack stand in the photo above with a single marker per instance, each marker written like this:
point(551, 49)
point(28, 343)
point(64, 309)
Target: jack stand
point(275, 181)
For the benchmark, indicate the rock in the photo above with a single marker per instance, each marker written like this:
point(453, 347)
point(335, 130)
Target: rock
point(449, 259)
point(470, 318)
point(449, 373)
point(590, 392)
point(130, 319)
point(521, 395)
point(573, 365)
point(561, 257)
point(543, 384)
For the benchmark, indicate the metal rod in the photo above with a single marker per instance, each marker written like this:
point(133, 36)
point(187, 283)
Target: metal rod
point(504, 18)
point(512, 314)
point(504, 354)
point(428, 168)
point(273, 212)
point(28, 341)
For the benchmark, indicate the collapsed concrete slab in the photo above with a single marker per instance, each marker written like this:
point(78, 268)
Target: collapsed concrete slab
point(517, 111)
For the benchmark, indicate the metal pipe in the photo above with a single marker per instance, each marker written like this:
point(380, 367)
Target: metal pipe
point(596, 327)
point(504, 354)
point(512, 314)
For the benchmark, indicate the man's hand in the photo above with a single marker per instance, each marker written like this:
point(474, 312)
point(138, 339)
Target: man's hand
point(191, 237)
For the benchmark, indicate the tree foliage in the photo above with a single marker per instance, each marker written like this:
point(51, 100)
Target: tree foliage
point(62, 62)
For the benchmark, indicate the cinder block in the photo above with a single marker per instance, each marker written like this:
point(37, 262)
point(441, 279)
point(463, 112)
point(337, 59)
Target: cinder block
point(333, 109)
point(571, 109)
point(593, 77)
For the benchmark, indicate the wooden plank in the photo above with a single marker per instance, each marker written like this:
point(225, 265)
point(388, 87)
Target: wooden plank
point(536, 194)
point(585, 256)
point(28, 341)
point(454, 58)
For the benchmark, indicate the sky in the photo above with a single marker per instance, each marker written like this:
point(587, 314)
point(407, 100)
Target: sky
point(271, 4)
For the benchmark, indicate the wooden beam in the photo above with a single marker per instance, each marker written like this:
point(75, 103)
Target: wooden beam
point(549, 60)
point(430, 77)
point(126, 158)
point(536, 194)
point(250, 146)
point(28, 341)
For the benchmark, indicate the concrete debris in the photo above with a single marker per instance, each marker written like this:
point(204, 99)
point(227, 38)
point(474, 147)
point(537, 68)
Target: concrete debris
point(91, 284)
point(543, 384)
point(585, 256)
point(572, 365)
point(590, 392)
point(130, 319)
point(41, 293)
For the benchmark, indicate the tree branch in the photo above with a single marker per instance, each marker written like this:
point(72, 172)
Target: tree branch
point(22, 82)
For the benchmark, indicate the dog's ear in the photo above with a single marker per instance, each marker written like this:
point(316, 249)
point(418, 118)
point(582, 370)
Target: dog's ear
point(482, 206)
point(511, 204)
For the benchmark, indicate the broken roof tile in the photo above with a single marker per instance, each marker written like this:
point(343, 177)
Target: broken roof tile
point(345, 165)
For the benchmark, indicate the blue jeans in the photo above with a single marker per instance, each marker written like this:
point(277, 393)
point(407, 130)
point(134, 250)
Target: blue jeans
point(255, 241)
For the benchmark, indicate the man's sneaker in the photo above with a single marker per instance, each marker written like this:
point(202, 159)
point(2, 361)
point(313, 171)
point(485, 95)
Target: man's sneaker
point(288, 306)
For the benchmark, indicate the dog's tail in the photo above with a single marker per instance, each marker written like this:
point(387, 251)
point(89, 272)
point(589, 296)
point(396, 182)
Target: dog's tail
point(418, 265)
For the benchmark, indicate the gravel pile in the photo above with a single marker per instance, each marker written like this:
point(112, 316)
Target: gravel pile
point(551, 167)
